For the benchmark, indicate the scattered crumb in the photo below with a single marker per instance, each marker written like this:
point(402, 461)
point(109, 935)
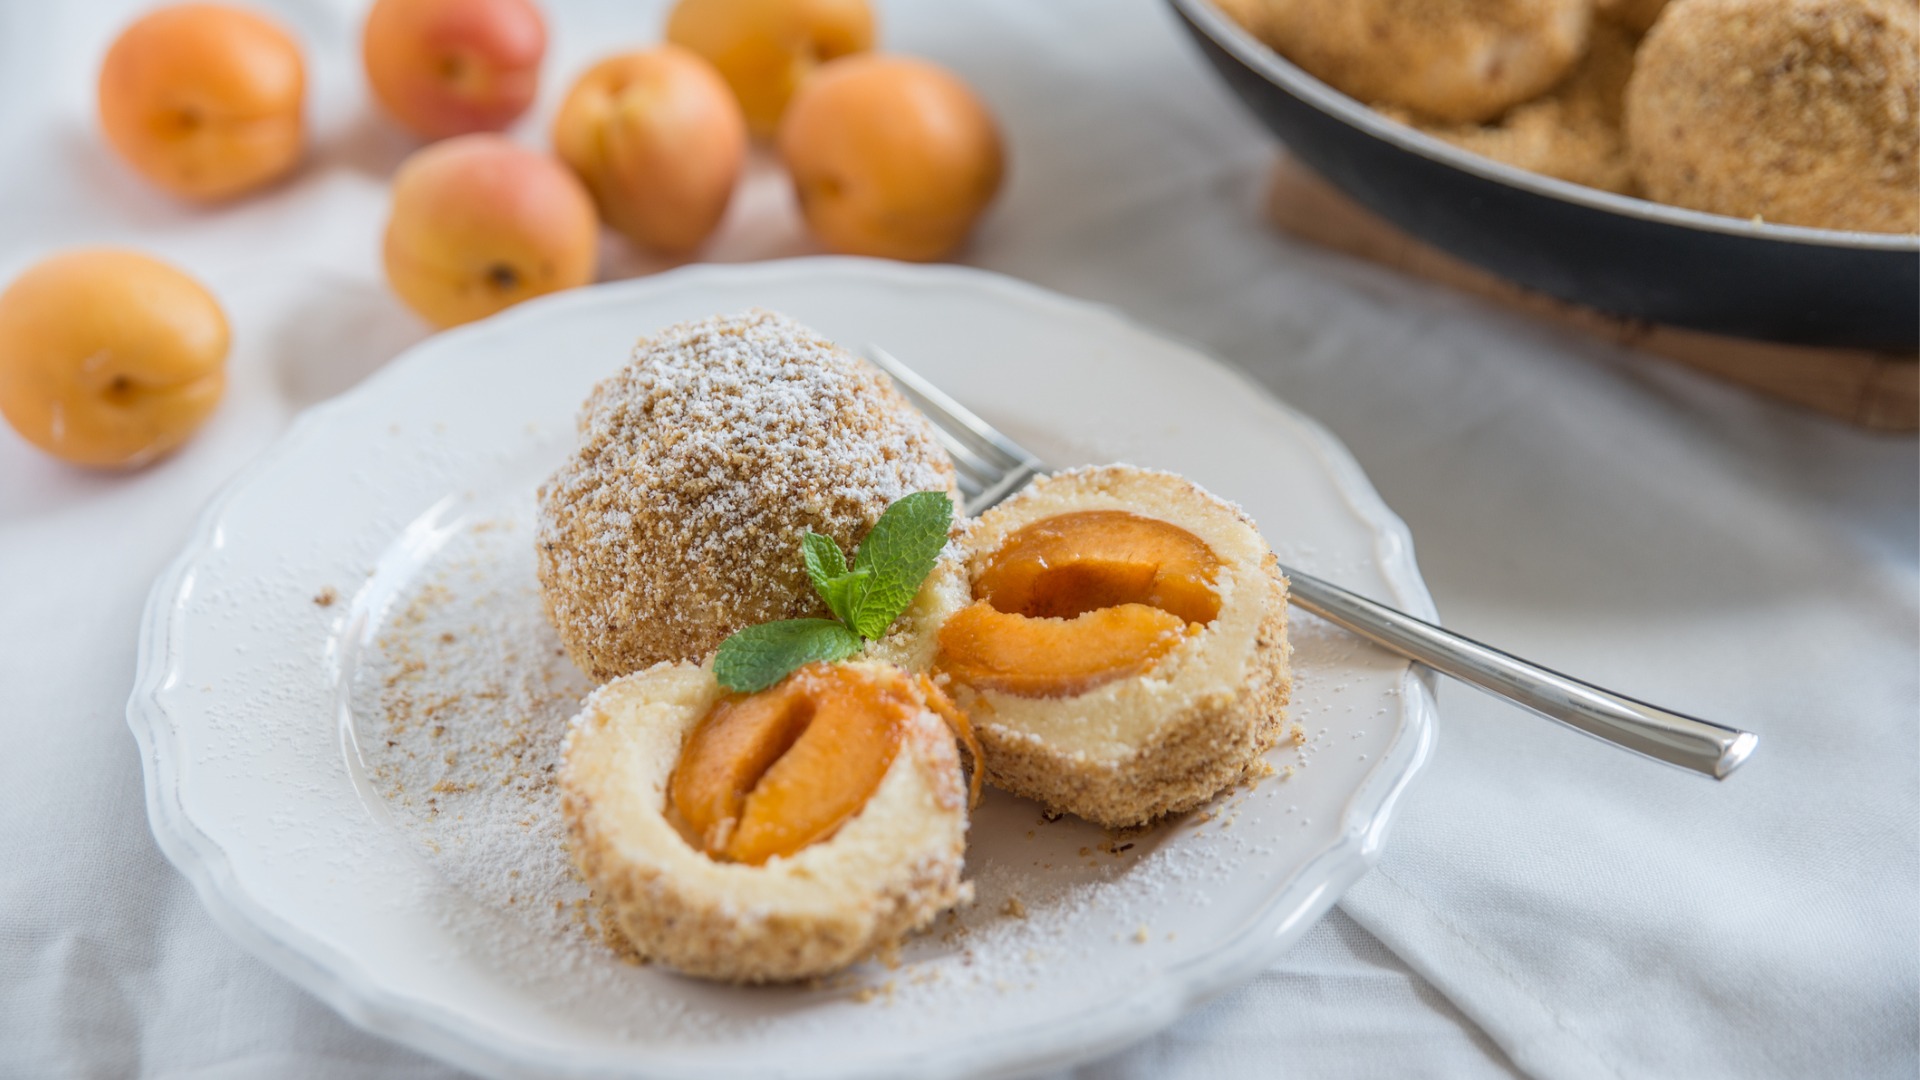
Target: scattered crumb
point(1014, 908)
point(1141, 935)
point(325, 597)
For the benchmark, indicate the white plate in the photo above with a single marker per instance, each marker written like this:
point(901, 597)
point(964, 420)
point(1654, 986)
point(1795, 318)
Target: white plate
point(264, 712)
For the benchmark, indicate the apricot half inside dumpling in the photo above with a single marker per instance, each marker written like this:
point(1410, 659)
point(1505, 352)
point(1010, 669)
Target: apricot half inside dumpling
point(772, 836)
point(1079, 599)
point(1125, 653)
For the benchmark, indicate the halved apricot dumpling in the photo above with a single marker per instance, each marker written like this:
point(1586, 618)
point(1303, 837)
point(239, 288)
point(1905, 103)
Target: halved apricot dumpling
point(1076, 600)
point(885, 858)
point(770, 773)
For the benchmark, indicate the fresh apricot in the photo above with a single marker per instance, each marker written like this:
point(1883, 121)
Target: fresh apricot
point(771, 773)
point(1076, 600)
point(204, 101)
point(479, 224)
point(659, 140)
point(766, 48)
point(452, 67)
point(109, 358)
point(890, 156)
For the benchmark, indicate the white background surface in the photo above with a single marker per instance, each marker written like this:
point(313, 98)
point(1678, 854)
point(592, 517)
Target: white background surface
point(1547, 905)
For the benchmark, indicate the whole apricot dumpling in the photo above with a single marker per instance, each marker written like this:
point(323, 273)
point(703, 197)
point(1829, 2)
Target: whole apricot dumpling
point(1125, 653)
point(767, 837)
point(1448, 60)
point(891, 157)
point(203, 100)
point(109, 358)
point(1797, 112)
point(701, 465)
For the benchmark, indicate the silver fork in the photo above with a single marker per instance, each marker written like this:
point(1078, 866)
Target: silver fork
point(991, 467)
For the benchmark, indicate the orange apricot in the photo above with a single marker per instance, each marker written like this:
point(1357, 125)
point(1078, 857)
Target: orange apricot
point(766, 48)
point(1076, 600)
point(1052, 657)
point(205, 101)
point(453, 67)
point(479, 224)
point(659, 140)
point(1067, 564)
point(771, 773)
point(890, 156)
point(109, 358)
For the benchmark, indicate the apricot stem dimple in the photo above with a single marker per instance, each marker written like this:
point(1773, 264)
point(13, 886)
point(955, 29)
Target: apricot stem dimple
point(502, 277)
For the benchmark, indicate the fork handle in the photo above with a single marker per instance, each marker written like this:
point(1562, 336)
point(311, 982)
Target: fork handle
point(1658, 733)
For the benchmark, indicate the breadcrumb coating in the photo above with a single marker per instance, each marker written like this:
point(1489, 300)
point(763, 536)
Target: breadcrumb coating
point(1459, 61)
point(1796, 112)
point(1167, 740)
point(1573, 132)
point(701, 464)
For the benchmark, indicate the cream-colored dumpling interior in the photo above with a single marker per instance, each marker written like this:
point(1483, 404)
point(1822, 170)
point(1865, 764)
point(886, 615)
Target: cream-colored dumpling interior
point(1110, 722)
point(914, 639)
point(623, 749)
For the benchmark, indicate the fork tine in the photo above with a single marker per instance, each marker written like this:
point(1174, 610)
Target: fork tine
point(958, 418)
point(965, 461)
point(955, 433)
point(990, 466)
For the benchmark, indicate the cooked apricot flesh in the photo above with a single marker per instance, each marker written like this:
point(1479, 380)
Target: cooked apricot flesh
point(771, 773)
point(1014, 654)
point(1065, 565)
point(1077, 600)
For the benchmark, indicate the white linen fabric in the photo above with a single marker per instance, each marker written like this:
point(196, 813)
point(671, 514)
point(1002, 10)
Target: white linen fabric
point(1584, 913)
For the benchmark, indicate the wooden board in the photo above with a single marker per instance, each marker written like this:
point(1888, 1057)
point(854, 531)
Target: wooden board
point(1879, 391)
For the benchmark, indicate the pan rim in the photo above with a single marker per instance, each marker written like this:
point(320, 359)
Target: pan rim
point(1294, 80)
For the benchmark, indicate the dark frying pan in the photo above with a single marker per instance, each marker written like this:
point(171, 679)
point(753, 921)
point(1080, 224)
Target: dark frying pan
point(1621, 255)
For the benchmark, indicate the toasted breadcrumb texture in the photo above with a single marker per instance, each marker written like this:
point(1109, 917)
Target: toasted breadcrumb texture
point(1448, 60)
point(701, 464)
point(886, 873)
point(1636, 16)
point(1796, 112)
point(1202, 719)
point(1574, 132)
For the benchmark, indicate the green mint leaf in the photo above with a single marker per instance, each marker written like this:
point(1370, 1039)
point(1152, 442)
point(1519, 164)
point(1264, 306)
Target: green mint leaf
point(897, 555)
point(759, 656)
point(843, 594)
point(827, 569)
point(823, 558)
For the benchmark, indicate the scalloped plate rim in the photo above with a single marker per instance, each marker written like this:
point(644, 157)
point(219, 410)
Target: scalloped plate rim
point(339, 981)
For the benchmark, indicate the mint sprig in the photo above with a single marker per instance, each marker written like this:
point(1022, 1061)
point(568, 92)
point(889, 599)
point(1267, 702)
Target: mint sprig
point(894, 559)
point(759, 656)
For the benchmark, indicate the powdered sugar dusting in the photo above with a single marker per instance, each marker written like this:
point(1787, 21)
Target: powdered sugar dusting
point(463, 706)
point(701, 465)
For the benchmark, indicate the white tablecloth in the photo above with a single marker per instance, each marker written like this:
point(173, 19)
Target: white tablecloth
point(1547, 906)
